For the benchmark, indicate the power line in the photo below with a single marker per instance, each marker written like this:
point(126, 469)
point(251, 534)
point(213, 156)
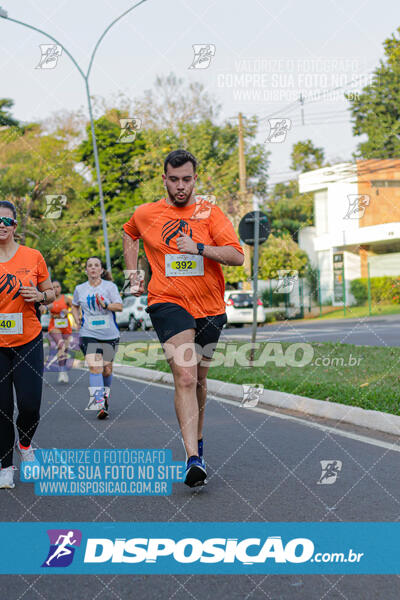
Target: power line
point(302, 100)
point(336, 88)
point(285, 110)
point(360, 169)
point(331, 121)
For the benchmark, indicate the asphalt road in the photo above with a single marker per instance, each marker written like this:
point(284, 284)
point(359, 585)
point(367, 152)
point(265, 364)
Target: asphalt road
point(261, 468)
point(373, 331)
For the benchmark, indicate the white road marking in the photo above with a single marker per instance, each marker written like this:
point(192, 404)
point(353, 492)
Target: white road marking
point(288, 336)
point(354, 436)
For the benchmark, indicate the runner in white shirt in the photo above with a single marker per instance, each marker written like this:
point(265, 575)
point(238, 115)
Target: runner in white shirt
point(94, 305)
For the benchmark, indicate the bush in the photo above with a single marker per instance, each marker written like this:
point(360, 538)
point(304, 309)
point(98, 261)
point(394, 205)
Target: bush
point(272, 299)
point(327, 302)
point(384, 290)
point(281, 315)
point(311, 275)
point(270, 317)
point(281, 253)
point(358, 288)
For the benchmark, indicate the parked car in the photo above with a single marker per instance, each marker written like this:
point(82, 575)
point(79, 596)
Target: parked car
point(239, 308)
point(133, 315)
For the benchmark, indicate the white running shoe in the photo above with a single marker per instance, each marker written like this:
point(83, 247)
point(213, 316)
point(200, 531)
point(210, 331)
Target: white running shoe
point(7, 478)
point(27, 454)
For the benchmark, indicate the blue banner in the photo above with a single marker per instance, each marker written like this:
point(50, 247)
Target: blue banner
point(213, 548)
point(110, 472)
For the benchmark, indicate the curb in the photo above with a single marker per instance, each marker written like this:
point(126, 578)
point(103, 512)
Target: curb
point(341, 413)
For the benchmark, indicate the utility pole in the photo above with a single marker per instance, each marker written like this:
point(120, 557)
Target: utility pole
point(245, 203)
point(301, 100)
point(242, 160)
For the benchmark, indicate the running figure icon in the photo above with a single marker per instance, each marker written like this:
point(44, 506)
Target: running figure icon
point(62, 549)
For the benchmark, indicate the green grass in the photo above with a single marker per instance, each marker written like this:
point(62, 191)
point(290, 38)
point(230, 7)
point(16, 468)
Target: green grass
point(371, 383)
point(355, 312)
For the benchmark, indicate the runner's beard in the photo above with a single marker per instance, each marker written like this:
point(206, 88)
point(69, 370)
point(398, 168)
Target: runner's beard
point(180, 201)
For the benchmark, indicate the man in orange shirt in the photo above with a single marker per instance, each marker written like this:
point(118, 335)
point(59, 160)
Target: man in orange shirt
point(185, 243)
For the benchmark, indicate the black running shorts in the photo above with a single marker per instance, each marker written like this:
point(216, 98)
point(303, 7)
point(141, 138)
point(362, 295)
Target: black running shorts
point(107, 348)
point(168, 319)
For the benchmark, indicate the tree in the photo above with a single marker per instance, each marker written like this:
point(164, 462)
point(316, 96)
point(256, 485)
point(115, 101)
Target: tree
point(34, 165)
point(306, 157)
point(176, 115)
point(119, 164)
point(6, 120)
point(52, 159)
point(120, 175)
point(281, 253)
point(233, 275)
point(216, 148)
point(290, 210)
point(376, 110)
point(171, 102)
point(69, 125)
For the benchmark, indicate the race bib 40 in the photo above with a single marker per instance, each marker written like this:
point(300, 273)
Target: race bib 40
point(11, 323)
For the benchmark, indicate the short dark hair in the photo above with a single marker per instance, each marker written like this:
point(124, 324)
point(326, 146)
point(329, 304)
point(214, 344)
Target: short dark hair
point(10, 206)
point(177, 158)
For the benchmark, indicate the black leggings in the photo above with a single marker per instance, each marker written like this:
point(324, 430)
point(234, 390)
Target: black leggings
point(21, 367)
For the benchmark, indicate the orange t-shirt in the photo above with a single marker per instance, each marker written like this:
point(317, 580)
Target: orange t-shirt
point(159, 224)
point(26, 264)
point(57, 307)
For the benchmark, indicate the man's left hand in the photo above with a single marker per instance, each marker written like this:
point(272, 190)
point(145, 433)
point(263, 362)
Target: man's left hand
point(185, 244)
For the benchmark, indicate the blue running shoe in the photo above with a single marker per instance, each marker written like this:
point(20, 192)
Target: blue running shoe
point(195, 472)
point(200, 448)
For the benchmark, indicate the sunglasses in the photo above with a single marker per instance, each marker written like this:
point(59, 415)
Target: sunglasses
point(8, 221)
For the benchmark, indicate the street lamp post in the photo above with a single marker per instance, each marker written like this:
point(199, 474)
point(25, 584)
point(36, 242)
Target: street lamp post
point(85, 76)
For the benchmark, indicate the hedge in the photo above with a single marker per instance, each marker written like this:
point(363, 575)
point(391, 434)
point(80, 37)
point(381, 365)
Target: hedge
point(383, 290)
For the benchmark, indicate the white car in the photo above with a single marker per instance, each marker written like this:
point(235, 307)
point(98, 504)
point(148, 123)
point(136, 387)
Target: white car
point(133, 314)
point(239, 308)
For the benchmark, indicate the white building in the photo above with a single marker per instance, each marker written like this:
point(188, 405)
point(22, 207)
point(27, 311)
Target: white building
point(357, 223)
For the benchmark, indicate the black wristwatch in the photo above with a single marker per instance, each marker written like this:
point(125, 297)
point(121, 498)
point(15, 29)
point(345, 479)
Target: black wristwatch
point(44, 298)
point(200, 248)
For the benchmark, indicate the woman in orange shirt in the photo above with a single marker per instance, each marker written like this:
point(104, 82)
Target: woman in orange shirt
point(24, 284)
point(60, 329)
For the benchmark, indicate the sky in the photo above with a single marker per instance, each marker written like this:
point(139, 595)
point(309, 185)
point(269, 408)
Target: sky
point(263, 55)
